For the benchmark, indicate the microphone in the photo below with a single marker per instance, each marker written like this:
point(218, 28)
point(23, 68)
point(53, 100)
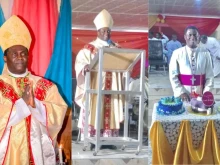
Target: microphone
point(110, 42)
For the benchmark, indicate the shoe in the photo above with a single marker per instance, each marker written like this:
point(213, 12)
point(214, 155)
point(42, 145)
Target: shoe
point(92, 147)
point(111, 147)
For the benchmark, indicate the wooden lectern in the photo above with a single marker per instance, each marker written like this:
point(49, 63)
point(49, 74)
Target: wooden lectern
point(115, 60)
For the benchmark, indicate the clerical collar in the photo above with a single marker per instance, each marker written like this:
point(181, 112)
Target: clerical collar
point(190, 49)
point(104, 43)
point(18, 75)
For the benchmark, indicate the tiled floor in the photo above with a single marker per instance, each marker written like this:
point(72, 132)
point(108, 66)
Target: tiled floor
point(142, 161)
point(109, 157)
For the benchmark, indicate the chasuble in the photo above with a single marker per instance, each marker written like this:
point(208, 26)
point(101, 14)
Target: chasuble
point(28, 135)
point(112, 105)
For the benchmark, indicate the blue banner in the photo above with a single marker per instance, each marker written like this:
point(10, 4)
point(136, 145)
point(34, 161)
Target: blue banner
point(2, 20)
point(60, 68)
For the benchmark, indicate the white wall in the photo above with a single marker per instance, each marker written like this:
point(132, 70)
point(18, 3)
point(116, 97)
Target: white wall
point(216, 34)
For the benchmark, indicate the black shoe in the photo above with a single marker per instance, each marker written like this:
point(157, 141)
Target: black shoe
point(92, 146)
point(111, 147)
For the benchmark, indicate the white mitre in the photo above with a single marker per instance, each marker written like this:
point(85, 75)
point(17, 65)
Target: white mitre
point(103, 19)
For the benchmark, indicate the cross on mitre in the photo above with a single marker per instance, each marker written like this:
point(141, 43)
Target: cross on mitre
point(193, 80)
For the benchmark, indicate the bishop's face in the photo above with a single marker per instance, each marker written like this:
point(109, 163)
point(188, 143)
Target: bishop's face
point(191, 36)
point(158, 36)
point(104, 33)
point(16, 58)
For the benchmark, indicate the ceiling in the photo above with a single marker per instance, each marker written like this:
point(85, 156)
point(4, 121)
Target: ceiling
point(197, 8)
point(132, 15)
point(127, 14)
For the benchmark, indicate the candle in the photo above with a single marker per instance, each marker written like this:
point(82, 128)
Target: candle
point(60, 154)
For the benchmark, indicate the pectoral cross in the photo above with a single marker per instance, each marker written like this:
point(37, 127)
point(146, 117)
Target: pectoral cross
point(193, 80)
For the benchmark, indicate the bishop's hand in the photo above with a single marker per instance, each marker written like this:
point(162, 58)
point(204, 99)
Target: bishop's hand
point(184, 97)
point(86, 69)
point(28, 94)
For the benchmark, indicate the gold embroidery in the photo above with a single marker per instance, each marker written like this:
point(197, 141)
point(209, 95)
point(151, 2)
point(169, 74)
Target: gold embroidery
point(8, 91)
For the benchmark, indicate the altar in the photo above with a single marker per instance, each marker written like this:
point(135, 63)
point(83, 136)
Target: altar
point(187, 138)
point(159, 86)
